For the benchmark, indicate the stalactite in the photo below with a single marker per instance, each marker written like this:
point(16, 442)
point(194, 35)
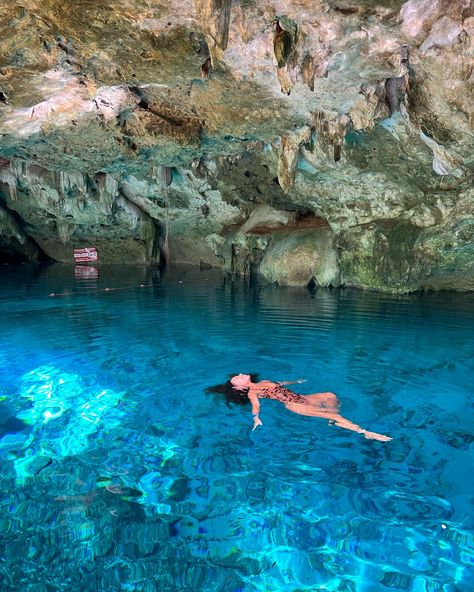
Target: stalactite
point(331, 130)
point(134, 214)
point(111, 188)
point(65, 230)
point(288, 157)
point(215, 20)
point(308, 71)
point(9, 177)
point(148, 233)
point(165, 176)
point(284, 44)
point(71, 180)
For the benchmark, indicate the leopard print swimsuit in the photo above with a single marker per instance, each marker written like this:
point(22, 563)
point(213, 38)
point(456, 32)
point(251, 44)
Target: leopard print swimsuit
point(278, 392)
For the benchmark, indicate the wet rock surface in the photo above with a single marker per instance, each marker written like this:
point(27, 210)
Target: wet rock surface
point(357, 113)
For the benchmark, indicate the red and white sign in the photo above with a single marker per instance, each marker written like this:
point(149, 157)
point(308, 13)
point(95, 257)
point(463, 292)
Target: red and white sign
point(87, 254)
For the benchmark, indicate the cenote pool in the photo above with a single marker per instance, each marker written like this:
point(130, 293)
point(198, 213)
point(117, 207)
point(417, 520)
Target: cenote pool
point(119, 473)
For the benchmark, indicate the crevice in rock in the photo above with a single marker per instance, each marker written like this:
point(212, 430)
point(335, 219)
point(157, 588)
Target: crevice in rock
point(17, 246)
point(396, 88)
point(202, 50)
point(395, 91)
point(297, 221)
point(158, 116)
point(156, 255)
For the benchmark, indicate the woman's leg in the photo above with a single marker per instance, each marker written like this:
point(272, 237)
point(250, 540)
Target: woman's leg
point(348, 425)
point(312, 410)
point(327, 401)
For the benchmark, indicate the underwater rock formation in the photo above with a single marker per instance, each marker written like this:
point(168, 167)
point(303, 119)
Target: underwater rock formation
point(318, 142)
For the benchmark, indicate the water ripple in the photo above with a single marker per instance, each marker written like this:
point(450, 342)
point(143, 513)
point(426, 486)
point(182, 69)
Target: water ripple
point(117, 470)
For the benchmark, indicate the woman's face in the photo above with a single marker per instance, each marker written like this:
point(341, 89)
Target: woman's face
point(240, 381)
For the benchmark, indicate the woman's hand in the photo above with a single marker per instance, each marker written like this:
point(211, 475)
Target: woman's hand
point(256, 422)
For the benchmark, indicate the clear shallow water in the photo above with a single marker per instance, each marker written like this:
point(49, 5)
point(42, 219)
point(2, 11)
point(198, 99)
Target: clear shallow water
point(117, 471)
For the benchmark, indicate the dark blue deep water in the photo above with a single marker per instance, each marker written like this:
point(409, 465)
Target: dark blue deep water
point(119, 473)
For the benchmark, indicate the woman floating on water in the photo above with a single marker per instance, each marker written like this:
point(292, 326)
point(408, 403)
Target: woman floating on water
point(324, 405)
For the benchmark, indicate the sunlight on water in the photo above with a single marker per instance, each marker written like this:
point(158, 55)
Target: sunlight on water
point(118, 472)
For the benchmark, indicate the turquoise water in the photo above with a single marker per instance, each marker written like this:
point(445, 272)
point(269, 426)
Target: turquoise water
point(118, 472)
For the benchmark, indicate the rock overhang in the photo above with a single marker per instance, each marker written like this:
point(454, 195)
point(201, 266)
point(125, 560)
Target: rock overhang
point(277, 103)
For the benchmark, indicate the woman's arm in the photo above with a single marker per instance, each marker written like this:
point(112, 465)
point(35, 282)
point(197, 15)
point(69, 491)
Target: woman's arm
point(255, 408)
point(299, 381)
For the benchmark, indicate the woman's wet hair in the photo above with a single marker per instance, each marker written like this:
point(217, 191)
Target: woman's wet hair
point(230, 393)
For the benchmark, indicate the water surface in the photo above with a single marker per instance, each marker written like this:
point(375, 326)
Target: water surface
point(118, 472)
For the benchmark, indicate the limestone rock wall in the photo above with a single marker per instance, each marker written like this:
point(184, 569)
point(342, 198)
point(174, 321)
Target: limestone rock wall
point(326, 142)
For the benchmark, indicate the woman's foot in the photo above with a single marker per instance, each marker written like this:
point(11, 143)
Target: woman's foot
point(375, 436)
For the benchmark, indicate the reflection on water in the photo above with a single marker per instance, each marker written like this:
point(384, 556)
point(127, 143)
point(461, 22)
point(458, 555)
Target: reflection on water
point(118, 472)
